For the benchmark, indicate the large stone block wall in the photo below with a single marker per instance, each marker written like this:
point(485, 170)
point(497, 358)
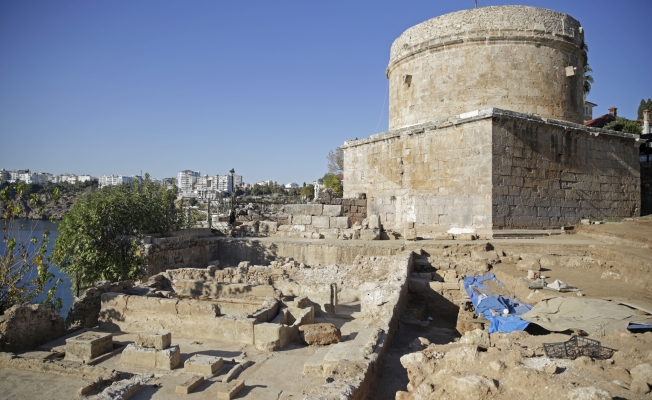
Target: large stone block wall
point(553, 174)
point(494, 169)
point(435, 175)
point(646, 188)
point(510, 57)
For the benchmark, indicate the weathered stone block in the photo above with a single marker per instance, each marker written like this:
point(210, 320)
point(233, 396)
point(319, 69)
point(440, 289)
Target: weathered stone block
point(332, 210)
point(321, 222)
point(227, 391)
point(268, 227)
point(374, 221)
point(320, 334)
point(303, 209)
point(203, 364)
point(410, 234)
point(88, 345)
point(159, 341)
point(369, 234)
point(190, 385)
point(340, 222)
point(301, 220)
point(148, 357)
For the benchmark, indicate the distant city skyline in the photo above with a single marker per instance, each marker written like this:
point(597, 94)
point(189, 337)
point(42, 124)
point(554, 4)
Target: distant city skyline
point(263, 87)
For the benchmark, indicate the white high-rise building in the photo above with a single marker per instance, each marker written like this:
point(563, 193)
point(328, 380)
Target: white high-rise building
point(225, 183)
point(108, 180)
point(186, 182)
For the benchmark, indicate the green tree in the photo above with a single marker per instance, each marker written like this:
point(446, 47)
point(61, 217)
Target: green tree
point(99, 238)
point(624, 125)
point(308, 191)
point(331, 181)
point(587, 78)
point(335, 161)
point(24, 269)
point(645, 105)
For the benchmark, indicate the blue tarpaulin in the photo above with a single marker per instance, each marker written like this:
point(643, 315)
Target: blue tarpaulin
point(484, 301)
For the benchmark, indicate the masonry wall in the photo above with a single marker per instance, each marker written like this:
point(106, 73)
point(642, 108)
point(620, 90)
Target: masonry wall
point(646, 188)
point(553, 174)
point(435, 176)
point(509, 57)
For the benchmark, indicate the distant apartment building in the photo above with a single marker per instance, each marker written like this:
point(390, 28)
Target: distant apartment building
point(225, 183)
point(237, 181)
point(187, 182)
point(4, 176)
point(112, 180)
point(85, 178)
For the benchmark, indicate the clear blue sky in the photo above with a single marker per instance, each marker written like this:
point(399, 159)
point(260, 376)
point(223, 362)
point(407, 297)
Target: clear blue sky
point(265, 87)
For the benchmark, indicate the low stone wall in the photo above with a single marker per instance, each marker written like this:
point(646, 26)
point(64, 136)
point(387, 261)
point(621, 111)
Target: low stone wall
point(86, 308)
point(180, 251)
point(646, 188)
point(188, 319)
point(29, 325)
point(229, 251)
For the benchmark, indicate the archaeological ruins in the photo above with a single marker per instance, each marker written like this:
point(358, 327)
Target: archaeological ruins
point(487, 246)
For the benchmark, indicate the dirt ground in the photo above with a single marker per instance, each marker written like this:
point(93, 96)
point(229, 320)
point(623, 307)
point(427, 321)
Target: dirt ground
point(605, 263)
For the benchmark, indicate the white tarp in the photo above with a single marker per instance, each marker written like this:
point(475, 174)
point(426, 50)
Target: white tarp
point(594, 316)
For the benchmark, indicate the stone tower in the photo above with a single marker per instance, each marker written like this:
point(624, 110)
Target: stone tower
point(518, 58)
point(486, 130)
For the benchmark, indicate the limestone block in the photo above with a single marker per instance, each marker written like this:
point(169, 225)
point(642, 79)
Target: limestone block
point(340, 222)
point(466, 236)
point(229, 390)
point(643, 373)
point(332, 233)
point(203, 364)
point(190, 385)
point(369, 234)
point(374, 221)
point(321, 222)
point(410, 234)
point(320, 334)
point(88, 345)
point(148, 357)
point(301, 220)
point(159, 341)
point(298, 228)
point(528, 265)
point(268, 227)
point(332, 210)
point(303, 209)
point(477, 337)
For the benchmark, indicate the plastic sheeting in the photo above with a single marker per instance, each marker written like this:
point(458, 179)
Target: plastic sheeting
point(485, 302)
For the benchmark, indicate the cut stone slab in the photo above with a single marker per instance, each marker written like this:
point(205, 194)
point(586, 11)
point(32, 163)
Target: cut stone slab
point(320, 334)
point(226, 391)
point(333, 357)
point(159, 341)
point(88, 345)
point(315, 364)
point(203, 364)
point(148, 357)
point(190, 385)
point(363, 344)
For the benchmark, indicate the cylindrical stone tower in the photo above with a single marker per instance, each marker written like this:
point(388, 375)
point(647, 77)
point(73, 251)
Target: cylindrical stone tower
point(518, 58)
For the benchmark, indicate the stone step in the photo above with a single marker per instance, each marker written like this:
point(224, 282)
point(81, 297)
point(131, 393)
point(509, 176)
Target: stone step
point(315, 364)
point(362, 345)
point(333, 357)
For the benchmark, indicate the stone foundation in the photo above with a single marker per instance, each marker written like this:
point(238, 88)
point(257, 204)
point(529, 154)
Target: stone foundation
point(494, 169)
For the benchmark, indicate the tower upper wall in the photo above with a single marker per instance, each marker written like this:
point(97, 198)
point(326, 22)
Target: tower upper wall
point(519, 58)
